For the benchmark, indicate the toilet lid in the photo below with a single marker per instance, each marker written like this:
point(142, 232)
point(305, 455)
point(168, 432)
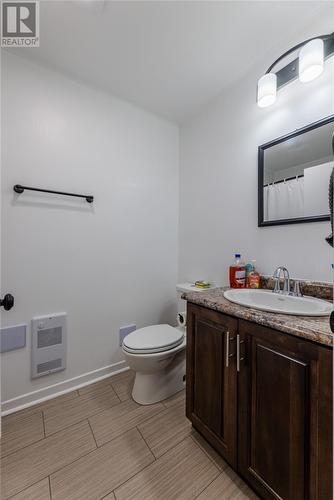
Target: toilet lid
point(156, 338)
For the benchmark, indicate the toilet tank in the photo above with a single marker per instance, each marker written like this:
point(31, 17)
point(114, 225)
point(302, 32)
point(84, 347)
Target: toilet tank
point(186, 287)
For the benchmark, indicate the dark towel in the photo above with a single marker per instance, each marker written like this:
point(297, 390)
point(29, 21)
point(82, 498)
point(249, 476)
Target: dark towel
point(329, 238)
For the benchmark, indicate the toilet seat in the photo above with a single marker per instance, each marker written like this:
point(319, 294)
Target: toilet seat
point(153, 339)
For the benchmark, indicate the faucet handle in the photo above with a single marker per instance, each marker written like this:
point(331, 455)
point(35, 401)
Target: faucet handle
point(277, 272)
point(277, 288)
point(296, 289)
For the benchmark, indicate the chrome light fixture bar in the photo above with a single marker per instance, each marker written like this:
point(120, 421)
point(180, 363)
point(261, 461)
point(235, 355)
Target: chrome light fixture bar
point(307, 66)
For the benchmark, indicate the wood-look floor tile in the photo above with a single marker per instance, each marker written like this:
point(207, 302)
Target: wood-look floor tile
point(182, 473)
point(228, 486)
point(73, 411)
point(46, 404)
point(98, 473)
point(177, 399)
point(207, 448)
point(39, 491)
point(69, 396)
point(123, 384)
point(30, 410)
point(112, 422)
point(20, 430)
point(124, 375)
point(96, 387)
point(111, 496)
point(166, 429)
point(29, 465)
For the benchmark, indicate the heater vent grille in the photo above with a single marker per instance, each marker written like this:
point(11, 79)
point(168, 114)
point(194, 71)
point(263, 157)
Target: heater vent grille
point(49, 337)
point(49, 365)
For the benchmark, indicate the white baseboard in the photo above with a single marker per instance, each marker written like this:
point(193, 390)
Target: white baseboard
point(52, 391)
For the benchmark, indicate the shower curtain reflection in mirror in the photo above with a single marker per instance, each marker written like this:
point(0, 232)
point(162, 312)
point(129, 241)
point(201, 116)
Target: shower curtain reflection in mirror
point(306, 195)
point(284, 200)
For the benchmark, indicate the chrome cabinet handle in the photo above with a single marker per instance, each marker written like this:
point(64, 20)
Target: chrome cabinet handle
point(238, 352)
point(227, 350)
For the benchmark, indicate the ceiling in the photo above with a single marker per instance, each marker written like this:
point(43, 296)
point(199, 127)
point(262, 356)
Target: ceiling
point(170, 57)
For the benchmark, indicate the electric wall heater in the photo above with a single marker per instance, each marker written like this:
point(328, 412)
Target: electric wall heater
point(48, 353)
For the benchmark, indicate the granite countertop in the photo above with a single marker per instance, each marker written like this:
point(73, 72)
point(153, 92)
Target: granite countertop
point(316, 329)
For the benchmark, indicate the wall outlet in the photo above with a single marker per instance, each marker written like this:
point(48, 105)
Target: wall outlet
point(124, 331)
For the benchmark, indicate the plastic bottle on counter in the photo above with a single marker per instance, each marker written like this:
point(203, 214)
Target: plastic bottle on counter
point(237, 273)
point(249, 267)
point(253, 277)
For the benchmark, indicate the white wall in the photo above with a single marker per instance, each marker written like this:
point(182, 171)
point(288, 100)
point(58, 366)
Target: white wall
point(218, 183)
point(107, 264)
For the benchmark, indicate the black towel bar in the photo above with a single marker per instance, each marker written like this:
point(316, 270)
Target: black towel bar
point(19, 189)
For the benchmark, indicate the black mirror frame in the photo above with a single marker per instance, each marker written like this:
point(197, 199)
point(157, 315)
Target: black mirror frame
point(261, 150)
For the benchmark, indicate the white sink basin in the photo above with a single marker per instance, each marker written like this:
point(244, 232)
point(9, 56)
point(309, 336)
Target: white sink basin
point(266, 300)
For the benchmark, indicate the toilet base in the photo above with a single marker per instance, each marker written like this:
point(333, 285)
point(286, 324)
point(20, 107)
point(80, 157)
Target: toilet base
point(151, 388)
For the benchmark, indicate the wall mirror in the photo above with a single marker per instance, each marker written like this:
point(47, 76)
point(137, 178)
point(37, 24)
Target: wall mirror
point(294, 173)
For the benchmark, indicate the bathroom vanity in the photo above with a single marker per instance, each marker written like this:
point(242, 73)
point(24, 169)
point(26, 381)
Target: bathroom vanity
point(259, 389)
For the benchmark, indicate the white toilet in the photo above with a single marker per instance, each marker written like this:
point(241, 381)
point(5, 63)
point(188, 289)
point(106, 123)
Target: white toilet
point(157, 355)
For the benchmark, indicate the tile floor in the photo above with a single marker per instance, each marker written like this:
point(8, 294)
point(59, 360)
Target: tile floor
point(97, 443)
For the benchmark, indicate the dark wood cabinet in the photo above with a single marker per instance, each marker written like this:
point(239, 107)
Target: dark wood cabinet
point(268, 410)
point(285, 419)
point(212, 378)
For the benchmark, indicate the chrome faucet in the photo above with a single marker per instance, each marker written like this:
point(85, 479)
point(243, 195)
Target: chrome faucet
point(286, 286)
point(277, 276)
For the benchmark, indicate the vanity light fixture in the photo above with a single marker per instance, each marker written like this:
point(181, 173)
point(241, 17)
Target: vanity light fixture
point(266, 90)
point(311, 60)
point(307, 66)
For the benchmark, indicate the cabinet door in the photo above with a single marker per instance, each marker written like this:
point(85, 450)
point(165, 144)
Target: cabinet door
point(285, 415)
point(211, 378)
